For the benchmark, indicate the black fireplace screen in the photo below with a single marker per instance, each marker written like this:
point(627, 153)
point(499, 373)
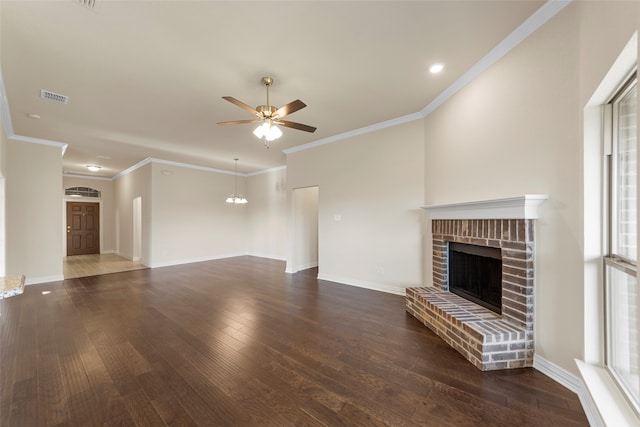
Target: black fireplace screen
point(475, 273)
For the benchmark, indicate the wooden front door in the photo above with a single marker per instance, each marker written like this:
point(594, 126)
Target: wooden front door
point(83, 228)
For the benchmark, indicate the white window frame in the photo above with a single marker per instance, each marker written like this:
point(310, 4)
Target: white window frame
point(612, 259)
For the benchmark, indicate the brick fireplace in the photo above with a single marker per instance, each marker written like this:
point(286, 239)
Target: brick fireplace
point(487, 339)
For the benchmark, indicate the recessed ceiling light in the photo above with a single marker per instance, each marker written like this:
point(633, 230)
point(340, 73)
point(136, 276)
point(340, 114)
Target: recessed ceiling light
point(93, 168)
point(33, 116)
point(436, 68)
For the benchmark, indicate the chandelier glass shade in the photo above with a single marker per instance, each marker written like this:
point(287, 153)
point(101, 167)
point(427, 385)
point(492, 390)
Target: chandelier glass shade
point(268, 131)
point(236, 198)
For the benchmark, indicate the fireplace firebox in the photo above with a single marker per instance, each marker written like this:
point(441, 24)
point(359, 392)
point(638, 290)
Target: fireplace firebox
point(475, 273)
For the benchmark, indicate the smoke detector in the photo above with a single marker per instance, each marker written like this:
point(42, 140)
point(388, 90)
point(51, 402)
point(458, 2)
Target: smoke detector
point(56, 97)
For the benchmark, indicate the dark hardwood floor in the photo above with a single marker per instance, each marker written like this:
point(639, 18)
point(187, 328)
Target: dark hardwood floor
point(238, 342)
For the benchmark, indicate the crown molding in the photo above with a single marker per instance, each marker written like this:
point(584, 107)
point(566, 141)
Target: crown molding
point(367, 129)
point(535, 21)
point(178, 164)
point(274, 169)
point(131, 169)
point(5, 114)
point(96, 178)
point(48, 142)
point(172, 163)
point(190, 166)
point(5, 117)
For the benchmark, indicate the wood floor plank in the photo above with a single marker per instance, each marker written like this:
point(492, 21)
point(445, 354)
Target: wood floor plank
point(239, 342)
point(9, 326)
point(164, 400)
point(24, 403)
point(82, 410)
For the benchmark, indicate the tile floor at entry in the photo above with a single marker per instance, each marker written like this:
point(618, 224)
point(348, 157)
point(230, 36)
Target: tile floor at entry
point(92, 265)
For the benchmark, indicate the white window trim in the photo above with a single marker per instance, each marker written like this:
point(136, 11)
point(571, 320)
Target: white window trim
point(606, 399)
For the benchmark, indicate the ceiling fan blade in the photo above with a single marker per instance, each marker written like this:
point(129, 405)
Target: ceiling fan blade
point(291, 107)
point(295, 125)
point(239, 122)
point(241, 104)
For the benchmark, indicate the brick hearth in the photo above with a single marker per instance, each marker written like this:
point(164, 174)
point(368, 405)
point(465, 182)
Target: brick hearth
point(488, 340)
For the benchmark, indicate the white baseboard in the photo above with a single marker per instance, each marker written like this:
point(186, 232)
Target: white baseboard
point(606, 396)
point(125, 256)
point(291, 270)
point(573, 383)
point(367, 285)
point(307, 266)
point(43, 279)
point(107, 252)
point(192, 260)
point(268, 256)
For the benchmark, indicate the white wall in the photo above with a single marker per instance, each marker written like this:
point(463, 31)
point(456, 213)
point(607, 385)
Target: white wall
point(517, 129)
point(374, 182)
point(126, 188)
point(33, 213)
point(267, 214)
point(190, 219)
point(107, 203)
point(3, 168)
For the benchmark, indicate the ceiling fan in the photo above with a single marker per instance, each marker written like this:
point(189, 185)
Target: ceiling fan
point(269, 115)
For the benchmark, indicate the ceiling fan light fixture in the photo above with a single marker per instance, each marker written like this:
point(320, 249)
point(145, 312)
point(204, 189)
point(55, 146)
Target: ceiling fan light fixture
point(268, 131)
point(274, 133)
point(260, 130)
point(266, 115)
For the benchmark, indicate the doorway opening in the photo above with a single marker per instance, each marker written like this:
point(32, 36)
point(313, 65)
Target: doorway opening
point(305, 228)
point(137, 229)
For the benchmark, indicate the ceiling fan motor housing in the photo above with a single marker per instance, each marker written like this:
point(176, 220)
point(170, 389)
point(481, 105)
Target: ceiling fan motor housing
point(266, 111)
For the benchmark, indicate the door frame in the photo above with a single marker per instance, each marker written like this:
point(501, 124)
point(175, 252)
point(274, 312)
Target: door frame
point(64, 216)
point(296, 239)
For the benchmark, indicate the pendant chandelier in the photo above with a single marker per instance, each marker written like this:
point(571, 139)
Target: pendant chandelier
point(236, 198)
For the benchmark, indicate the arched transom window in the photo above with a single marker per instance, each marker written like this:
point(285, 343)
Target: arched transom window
point(81, 192)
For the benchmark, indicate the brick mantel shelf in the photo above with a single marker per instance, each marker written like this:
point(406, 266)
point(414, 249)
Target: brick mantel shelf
point(521, 207)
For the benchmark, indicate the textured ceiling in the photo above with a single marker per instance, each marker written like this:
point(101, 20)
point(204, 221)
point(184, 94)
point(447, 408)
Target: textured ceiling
point(145, 78)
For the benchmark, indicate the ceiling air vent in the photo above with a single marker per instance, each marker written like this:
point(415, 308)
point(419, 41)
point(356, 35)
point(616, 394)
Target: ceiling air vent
point(89, 4)
point(45, 94)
